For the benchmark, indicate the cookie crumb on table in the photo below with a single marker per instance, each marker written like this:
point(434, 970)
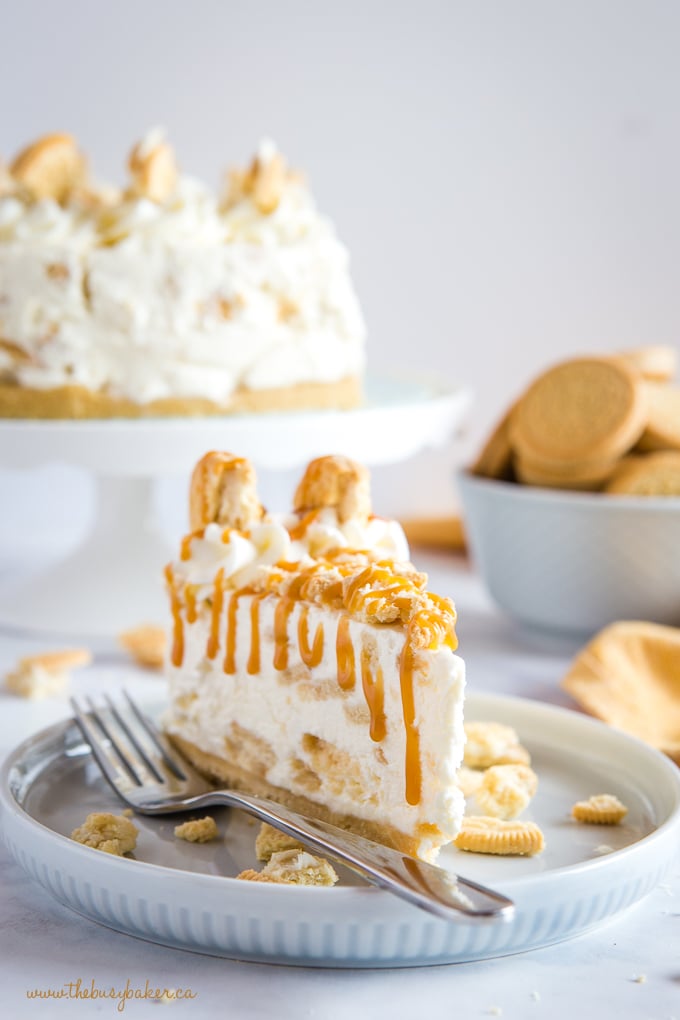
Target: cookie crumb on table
point(146, 644)
point(47, 674)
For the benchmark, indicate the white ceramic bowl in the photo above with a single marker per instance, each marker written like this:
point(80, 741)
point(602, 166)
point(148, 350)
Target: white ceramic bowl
point(574, 561)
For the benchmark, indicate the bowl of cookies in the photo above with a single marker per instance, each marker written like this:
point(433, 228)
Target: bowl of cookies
point(572, 508)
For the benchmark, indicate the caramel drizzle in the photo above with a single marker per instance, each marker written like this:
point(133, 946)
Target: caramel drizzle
point(229, 665)
point(190, 601)
point(374, 692)
point(412, 766)
point(299, 530)
point(177, 653)
point(253, 665)
point(282, 613)
point(344, 650)
point(217, 603)
point(310, 656)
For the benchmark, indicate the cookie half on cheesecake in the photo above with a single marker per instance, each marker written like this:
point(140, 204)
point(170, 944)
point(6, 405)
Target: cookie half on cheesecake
point(309, 663)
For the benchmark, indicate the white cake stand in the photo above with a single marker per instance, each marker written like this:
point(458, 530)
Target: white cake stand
point(113, 580)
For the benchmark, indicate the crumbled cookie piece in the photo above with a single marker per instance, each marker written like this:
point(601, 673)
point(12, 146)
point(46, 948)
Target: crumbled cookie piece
point(491, 743)
point(146, 644)
point(601, 809)
point(153, 168)
point(198, 830)
point(113, 834)
point(250, 875)
point(337, 482)
point(505, 790)
point(469, 780)
point(52, 167)
point(223, 489)
point(270, 841)
point(484, 835)
point(47, 674)
point(294, 867)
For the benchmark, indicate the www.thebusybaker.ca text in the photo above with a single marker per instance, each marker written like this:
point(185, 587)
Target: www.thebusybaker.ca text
point(79, 989)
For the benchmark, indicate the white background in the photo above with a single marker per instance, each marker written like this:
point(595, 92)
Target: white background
point(505, 174)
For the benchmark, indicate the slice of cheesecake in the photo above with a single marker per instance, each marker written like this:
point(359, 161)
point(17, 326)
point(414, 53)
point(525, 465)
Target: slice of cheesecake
point(309, 664)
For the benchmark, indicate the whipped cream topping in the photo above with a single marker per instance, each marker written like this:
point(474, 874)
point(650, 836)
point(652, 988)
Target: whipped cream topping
point(189, 298)
point(243, 557)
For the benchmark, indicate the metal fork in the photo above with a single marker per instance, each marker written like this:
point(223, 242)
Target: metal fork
point(149, 774)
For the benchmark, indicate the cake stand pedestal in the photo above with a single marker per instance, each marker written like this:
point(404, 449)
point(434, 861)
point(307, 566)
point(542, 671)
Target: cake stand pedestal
point(113, 580)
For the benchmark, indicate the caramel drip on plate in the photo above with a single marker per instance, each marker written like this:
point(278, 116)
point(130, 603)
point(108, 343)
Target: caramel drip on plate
point(217, 603)
point(253, 665)
point(190, 600)
point(413, 773)
point(177, 653)
point(344, 650)
point(310, 656)
point(374, 692)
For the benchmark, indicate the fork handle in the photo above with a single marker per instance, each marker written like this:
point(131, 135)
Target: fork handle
point(425, 885)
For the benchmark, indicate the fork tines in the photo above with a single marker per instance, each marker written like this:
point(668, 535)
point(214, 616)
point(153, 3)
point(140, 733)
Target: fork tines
point(126, 744)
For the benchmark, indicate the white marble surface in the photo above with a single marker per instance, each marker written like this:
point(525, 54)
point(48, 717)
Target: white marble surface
point(629, 967)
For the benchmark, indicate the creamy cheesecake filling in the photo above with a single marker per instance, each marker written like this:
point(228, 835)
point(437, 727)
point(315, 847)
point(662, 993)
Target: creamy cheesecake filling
point(361, 754)
point(189, 297)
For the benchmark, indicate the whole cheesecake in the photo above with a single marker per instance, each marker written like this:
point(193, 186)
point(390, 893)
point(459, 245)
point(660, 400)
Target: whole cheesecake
point(164, 298)
point(309, 662)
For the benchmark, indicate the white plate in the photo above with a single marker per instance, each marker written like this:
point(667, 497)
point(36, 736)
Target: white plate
point(174, 893)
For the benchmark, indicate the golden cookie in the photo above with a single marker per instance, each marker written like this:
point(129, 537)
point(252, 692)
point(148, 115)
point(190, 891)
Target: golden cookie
point(506, 790)
point(656, 362)
point(589, 409)
point(491, 743)
point(584, 477)
point(627, 665)
point(223, 490)
point(653, 474)
point(335, 482)
point(495, 458)
point(662, 430)
point(483, 835)
point(601, 809)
